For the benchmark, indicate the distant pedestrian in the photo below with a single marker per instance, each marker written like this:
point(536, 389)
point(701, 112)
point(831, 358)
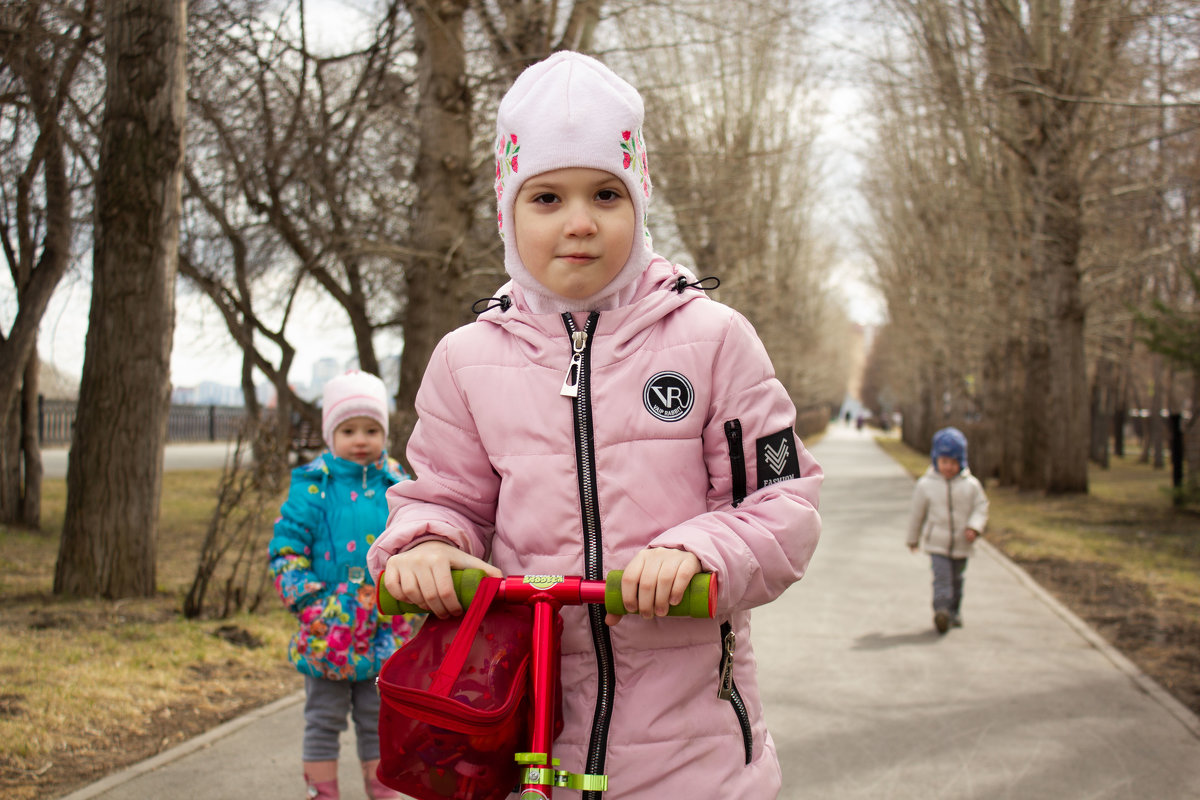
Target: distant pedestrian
point(336, 507)
point(949, 512)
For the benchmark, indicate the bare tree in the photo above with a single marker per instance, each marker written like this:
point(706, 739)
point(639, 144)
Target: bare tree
point(732, 137)
point(44, 48)
point(1026, 92)
point(294, 182)
point(230, 560)
point(451, 254)
point(114, 474)
point(444, 210)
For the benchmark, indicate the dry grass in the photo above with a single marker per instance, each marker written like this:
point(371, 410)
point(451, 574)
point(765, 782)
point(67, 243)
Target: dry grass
point(1122, 557)
point(92, 685)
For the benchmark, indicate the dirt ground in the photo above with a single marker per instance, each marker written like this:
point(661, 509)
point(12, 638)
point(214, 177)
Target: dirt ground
point(1163, 639)
point(116, 748)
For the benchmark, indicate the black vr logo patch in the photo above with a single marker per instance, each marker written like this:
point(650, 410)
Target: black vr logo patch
point(777, 458)
point(668, 396)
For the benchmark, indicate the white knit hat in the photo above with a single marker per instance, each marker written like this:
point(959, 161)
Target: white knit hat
point(355, 394)
point(571, 111)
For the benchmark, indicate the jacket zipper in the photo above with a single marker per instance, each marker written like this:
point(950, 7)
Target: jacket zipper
point(737, 459)
point(950, 510)
point(577, 386)
point(727, 689)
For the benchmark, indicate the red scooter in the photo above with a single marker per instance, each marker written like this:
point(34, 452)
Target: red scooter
point(546, 594)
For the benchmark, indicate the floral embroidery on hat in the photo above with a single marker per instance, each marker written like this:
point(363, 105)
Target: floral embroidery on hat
point(633, 149)
point(507, 151)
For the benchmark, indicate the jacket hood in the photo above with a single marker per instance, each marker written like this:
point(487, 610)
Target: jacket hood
point(571, 110)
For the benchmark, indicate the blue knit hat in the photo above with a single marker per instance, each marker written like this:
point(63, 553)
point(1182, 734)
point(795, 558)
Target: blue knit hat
point(949, 442)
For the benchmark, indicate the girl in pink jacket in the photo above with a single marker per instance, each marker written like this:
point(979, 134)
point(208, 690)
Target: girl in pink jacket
point(604, 413)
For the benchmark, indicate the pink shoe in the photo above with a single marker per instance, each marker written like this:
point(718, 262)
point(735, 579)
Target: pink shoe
point(324, 790)
point(376, 790)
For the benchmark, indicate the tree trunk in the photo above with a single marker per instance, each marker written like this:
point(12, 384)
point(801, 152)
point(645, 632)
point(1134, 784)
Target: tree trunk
point(114, 473)
point(1068, 441)
point(1102, 393)
point(443, 211)
point(1153, 439)
point(10, 460)
point(1191, 446)
point(1035, 408)
point(1011, 415)
point(36, 276)
point(31, 448)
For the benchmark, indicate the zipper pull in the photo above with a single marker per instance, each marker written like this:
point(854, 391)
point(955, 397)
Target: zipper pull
point(725, 691)
point(570, 387)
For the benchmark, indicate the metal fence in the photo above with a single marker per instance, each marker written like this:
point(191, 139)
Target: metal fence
point(56, 420)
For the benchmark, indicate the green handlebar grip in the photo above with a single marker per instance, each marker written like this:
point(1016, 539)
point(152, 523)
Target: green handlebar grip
point(466, 583)
point(699, 598)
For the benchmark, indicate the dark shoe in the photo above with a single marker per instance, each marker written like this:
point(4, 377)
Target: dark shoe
point(956, 620)
point(941, 621)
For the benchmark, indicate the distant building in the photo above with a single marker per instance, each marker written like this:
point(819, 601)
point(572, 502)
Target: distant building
point(324, 370)
point(207, 393)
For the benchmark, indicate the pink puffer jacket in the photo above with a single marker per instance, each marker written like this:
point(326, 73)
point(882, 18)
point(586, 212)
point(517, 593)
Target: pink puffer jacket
point(680, 436)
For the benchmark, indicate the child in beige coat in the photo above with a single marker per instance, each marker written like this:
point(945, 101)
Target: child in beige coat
point(949, 512)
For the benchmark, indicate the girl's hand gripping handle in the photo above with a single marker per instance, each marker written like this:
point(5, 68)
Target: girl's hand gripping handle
point(699, 598)
point(466, 582)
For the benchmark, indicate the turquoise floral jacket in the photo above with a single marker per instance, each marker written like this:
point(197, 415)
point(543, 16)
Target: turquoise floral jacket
point(318, 563)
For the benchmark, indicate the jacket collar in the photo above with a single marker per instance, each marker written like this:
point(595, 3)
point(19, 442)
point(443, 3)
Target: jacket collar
point(344, 468)
point(654, 298)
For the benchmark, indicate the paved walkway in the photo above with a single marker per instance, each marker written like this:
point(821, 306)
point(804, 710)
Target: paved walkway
point(863, 698)
point(176, 456)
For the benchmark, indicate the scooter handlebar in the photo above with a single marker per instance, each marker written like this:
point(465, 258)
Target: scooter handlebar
point(699, 598)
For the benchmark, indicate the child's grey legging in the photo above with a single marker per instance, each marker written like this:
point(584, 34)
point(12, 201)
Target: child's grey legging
point(947, 582)
point(326, 705)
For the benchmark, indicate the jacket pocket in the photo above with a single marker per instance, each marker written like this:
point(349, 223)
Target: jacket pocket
point(727, 689)
point(737, 460)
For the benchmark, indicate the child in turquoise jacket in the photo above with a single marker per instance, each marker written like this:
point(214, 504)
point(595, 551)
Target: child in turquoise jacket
point(335, 508)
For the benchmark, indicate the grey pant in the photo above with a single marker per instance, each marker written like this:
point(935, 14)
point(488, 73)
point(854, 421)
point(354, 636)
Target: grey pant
point(326, 705)
point(947, 582)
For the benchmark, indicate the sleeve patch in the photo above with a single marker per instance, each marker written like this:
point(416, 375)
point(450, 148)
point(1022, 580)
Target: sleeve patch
point(777, 458)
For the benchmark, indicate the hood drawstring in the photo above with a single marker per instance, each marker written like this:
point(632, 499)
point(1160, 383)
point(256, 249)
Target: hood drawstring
point(708, 284)
point(503, 301)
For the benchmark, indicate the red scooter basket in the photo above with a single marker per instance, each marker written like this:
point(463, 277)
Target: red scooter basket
point(455, 707)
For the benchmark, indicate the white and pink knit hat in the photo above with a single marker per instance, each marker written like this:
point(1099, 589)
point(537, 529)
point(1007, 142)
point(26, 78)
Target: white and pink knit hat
point(571, 111)
point(355, 394)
